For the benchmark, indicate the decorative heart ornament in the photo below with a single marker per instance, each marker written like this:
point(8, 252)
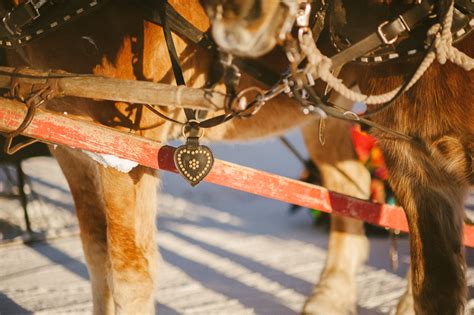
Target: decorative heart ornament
point(193, 161)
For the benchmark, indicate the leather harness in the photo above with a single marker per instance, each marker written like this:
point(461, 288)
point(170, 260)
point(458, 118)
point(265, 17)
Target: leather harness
point(400, 37)
point(35, 18)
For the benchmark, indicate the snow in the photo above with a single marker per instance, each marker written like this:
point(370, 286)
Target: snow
point(109, 160)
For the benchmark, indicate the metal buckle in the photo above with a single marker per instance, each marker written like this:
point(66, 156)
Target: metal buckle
point(35, 5)
point(383, 37)
point(32, 9)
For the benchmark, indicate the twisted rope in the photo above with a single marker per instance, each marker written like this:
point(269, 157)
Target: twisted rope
point(444, 44)
point(319, 65)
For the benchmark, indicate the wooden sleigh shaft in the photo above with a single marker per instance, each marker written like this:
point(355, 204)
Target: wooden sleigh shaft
point(60, 129)
point(129, 91)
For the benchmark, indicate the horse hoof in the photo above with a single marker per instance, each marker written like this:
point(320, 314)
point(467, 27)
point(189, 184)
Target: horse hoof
point(320, 305)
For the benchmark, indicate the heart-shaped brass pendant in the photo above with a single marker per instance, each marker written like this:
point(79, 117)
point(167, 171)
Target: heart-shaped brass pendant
point(193, 161)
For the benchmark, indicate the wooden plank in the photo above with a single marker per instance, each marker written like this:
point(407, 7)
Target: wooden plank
point(60, 129)
point(130, 91)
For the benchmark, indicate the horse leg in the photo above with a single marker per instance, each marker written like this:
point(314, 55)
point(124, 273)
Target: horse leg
point(116, 212)
point(430, 182)
point(82, 175)
point(348, 246)
point(130, 203)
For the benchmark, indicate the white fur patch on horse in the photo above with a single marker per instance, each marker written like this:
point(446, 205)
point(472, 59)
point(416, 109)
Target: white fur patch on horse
point(108, 160)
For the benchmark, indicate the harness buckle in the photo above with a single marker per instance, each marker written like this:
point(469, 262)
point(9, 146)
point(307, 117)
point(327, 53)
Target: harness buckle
point(33, 6)
point(383, 36)
point(303, 15)
point(16, 19)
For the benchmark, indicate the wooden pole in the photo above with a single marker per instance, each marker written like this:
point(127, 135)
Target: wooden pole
point(60, 129)
point(129, 91)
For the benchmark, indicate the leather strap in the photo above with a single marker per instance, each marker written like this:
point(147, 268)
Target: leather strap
point(465, 6)
point(176, 22)
point(35, 18)
point(15, 20)
point(386, 34)
point(177, 71)
point(192, 121)
point(179, 25)
point(415, 43)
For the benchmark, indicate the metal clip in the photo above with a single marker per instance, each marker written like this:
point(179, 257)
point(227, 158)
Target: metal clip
point(351, 116)
point(393, 251)
point(322, 129)
point(226, 59)
point(303, 15)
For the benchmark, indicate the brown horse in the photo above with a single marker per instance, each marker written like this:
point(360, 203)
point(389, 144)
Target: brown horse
point(116, 210)
point(429, 175)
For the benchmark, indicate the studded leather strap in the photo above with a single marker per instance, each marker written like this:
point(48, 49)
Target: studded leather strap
point(30, 21)
point(386, 34)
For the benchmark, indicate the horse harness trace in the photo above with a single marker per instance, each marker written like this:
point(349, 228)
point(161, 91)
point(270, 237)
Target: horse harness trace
point(35, 18)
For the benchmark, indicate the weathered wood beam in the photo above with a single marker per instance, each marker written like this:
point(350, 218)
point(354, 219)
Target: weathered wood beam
point(130, 91)
point(60, 129)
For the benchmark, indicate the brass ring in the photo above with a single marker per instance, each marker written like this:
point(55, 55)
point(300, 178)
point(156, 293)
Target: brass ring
point(188, 123)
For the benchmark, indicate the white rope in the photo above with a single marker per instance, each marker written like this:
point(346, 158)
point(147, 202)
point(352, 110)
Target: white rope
point(319, 65)
point(444, 44)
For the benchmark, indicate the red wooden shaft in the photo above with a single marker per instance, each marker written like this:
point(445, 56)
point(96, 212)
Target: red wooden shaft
point(60, 129)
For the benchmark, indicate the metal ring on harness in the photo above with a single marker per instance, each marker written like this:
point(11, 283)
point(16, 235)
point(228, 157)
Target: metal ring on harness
point(243, 106)
point(192, 126)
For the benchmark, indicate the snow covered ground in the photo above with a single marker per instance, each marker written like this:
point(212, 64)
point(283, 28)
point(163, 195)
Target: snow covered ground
point(224, 252)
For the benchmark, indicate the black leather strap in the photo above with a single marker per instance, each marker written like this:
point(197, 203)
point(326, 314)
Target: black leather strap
point(177, 71)
point(13, 23)
point(192, 122)
point(386, 34)
point(179, 25)
point(465, 6)
point(36, 18)
point(176, 22)
point(159, 13)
